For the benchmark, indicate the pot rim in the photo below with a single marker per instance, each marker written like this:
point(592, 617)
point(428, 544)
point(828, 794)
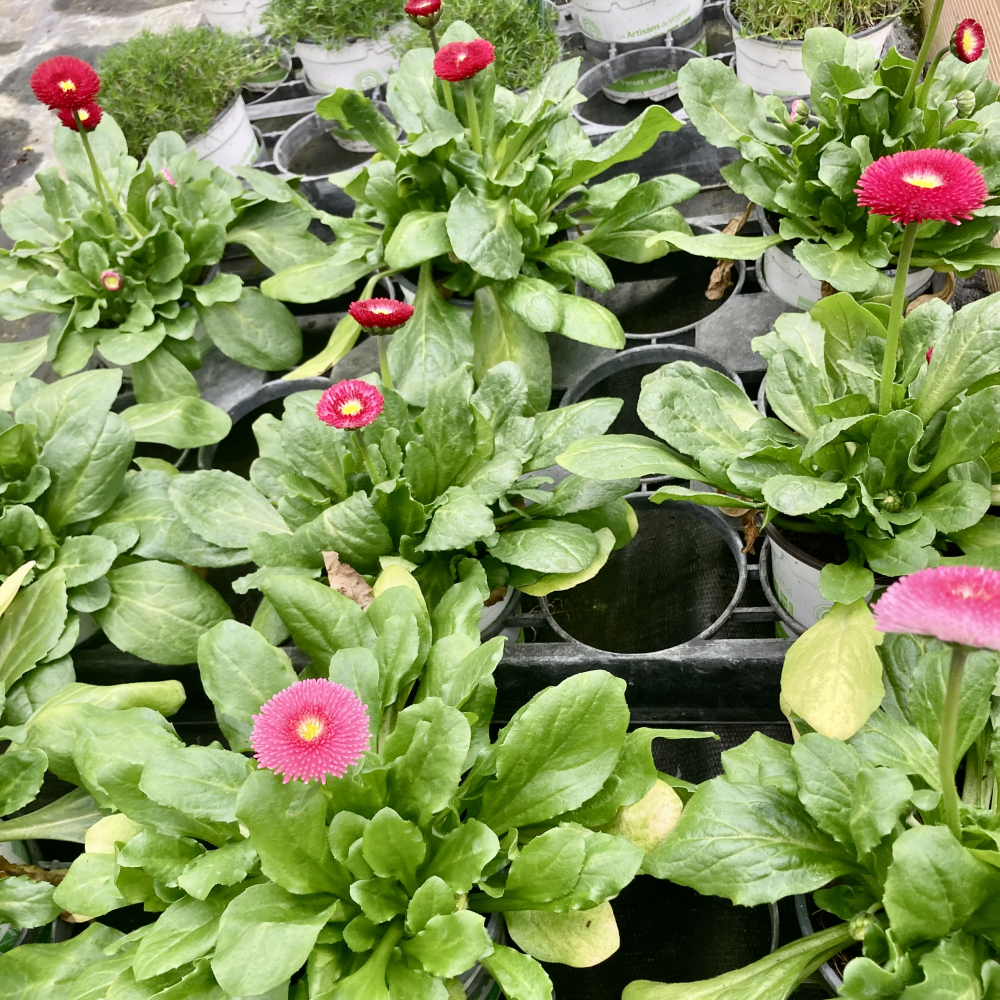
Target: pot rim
point(715, 519)
point(806, 929)
point(792, 627)
point(734, 23)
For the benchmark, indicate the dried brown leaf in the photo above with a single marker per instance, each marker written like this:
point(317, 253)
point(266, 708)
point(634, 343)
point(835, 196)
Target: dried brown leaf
point(347, 580)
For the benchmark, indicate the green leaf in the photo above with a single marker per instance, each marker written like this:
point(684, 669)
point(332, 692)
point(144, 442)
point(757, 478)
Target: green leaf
point(200, 781)
point(182, 422)
point(21, 774)
point(315, 280)
point(700, 497)
point(50, 408)
point(590, 323)
point(718, 246)
point(89, 886)
point(68, 818)
point(320, 619)
point(276, 234)
point(313, 448)
point(288, 831)
point(535, 302)
point(826, 771)
point(254, 330)
point(229, 865)
point(87, 456)
point(357, 111)
point(433, 898)
point(519, 976)
point(846, 583)
point(832, 676)
point(460, 856)
point(548, 867)
point(420, 236)
point(795, 495)
point(434, 342)
point(846, 324)
point(881, 796)
point(547, 547)
point(749, 843)
point(558, 752)
point(448, 427)
point(393, 847)
point(955, 506)
point(450, 944)
point(884, 741)
point(31, 626)
point(773, 977)
point(461, 520)
point(560, 428)
point(578, 261)
point(26, 903)
point(159, 611)
point(719, 105)
point(380, 899)
point(265, 935)
point(844, 269)
point(483, 234)
point(223, 508)
point(84, 558)
point(933, 885)
point(623, 456)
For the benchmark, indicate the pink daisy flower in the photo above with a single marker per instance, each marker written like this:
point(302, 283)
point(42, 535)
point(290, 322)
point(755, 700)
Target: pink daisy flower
point(954, 603)
point(65, 83)
point(379, 314)
point(312, 729)
point(969, 41)
point(459, 61)
point(350, 404)
point(111, 280)
point(923, 185)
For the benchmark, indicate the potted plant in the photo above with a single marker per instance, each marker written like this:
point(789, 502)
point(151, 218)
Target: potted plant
point(236, 16)
point(863, 811)
point(768, 37)
point(123, 255)
point(350, 471)
point(377, 837)
point(88, 555)
point(801, 167)
point(878, 457)
point(523, 34)
point(186, 81)
point(343, 44)
point(488, 238)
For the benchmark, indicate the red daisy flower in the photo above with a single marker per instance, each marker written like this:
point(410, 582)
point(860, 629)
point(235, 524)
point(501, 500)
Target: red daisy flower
point(350, 404)
point(310, 730)
point(380, 314)
point(90, 117)
point(954, 603)
point(422, 10)
point(969, 41)
point(111, 280)
point(65, 83)
point(459, 61)
point(923, 185)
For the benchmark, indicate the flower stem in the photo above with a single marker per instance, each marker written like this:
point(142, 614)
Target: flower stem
point(925, 48)
point(925, 87)
point(98, 176)
point(434, 40)
point(946, 741)
point(449, 97)
point(383, 361)
point(470, 104)
point(365, 457)
point(896, 318)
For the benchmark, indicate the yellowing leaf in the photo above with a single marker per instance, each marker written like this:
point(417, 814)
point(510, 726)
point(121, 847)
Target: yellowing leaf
point(649, 820)
point(10, 586)
point(564, 581)
point(832, 676)
point(580, 938)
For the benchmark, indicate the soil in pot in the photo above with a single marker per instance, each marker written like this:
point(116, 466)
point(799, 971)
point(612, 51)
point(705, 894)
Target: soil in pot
point(672, 582)
point(826, 548)
point(669, 934)
point(324, 155)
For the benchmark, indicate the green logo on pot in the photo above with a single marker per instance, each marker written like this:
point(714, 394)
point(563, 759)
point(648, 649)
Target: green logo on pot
point(368, 79)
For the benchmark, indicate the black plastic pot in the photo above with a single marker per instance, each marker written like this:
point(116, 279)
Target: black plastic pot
point(676, 582)
point(664, 300)
point(826, 970)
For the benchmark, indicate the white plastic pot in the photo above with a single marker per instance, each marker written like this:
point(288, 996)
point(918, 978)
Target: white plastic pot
point(633, 20)
point(230, 141)
point(362, 65)
point(495, 612)
point(654, 84)
point(795, 580)
point(235, 16)
point(792, 283)
point(774, 66)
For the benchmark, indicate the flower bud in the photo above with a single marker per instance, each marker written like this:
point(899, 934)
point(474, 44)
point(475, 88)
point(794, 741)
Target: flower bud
point(170, 180)
point(426, 13)
point(111, 280)
point(965, 103)
point(799, 112)
point(969, 41)
point(893, 501)
point(927, 356)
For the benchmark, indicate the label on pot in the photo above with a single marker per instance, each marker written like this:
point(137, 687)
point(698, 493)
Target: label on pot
point(618, 21)
point(653, 84)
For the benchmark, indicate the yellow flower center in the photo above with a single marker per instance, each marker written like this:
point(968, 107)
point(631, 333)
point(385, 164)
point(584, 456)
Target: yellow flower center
point(310, 728)
point(84, 114)
point(925, 180)
point(382, 311)
point(968, 40)
point(66, 85)
point(352, 408)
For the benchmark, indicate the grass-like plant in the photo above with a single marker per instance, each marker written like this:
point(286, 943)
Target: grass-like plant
point(176, 82)
point(522, 32)
point(793, 18)
point(331, 24)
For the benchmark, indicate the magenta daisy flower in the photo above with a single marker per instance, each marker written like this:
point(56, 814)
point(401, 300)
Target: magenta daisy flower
point(969, 41)
point(65, 83)
point(350, 404)
point(954, 603)
point(111, 280)
point(426, 13)
point(310, 730)
point(380, 314)
point(923, 185)
point(90, 117)
point(459, 61)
